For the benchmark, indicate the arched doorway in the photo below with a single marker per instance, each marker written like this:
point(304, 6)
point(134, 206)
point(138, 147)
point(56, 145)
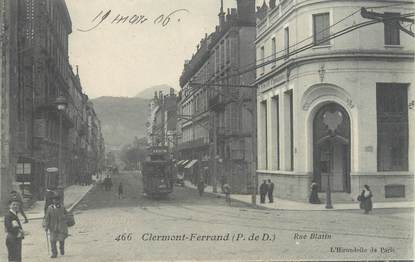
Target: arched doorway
point(331, 147)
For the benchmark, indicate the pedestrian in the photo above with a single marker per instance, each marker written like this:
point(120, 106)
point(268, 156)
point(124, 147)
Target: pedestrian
point(15, 195)
point(109, 183)
point(365, 199)
point(14, 231)
point(314, 194)
point(201, 187)
point(270, 191)
point(263, 190)
point(49, 194)
point(55, 222)
point(120, 191)
point(227, 191)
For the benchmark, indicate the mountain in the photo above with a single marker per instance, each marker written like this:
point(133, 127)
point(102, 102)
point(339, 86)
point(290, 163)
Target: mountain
point(148, 93)
point(122, 119)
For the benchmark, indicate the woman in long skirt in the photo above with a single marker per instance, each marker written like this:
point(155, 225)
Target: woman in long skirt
point(366, 199)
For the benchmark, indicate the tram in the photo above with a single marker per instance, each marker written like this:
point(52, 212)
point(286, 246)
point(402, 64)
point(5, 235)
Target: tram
point(157, 173)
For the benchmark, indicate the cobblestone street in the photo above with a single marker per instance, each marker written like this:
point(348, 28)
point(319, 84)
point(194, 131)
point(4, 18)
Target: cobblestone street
point(102, 217)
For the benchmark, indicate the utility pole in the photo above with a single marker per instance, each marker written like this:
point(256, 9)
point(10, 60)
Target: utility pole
point(214, 150)
point(254, 178)
point(396, 21)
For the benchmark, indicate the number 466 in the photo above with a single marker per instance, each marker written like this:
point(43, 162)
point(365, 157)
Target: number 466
point(124, 237)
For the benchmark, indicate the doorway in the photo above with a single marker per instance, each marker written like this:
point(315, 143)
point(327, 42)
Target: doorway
point(331, 144)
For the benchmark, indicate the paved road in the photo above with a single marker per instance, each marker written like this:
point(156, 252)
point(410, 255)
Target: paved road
point(185, 226)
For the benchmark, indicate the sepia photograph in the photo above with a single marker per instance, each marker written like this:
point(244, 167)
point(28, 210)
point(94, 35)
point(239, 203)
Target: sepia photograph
point(207, 130)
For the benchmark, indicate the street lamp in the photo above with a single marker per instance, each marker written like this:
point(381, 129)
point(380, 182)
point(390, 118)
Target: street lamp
point(61, 105)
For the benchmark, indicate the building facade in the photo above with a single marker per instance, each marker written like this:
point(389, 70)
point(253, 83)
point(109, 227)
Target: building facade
point(216, 112)
point(162, 120)
point(336, 110)
point(39, 73)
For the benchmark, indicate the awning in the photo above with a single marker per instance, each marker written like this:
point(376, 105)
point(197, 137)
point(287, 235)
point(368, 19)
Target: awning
point(182, 162)
point(191, 163)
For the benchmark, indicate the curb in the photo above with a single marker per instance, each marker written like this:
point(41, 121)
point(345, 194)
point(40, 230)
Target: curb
point(297, 209)
point(80, 199)
point(69, 209)
point(219, 195)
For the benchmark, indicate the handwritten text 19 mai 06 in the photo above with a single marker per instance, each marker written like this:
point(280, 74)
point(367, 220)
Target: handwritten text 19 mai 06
point(135, 19)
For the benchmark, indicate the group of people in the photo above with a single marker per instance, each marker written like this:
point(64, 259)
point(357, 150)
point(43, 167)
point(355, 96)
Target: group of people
point(54, 223)
point(364, 198)
point(266, 188)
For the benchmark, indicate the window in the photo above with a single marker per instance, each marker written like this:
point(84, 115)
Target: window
point(391, 30)
point(262, 57)
point(287, 41)
point(264, 134)
point(274, 49)
point(321, 30)
point(276, 132)
point(392, 123)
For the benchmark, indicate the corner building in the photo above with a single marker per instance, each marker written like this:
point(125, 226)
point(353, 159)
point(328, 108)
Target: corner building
point(343, 109)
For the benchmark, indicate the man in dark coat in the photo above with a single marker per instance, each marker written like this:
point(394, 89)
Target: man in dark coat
point(55, 222)
point(270, 191)
point(14, 232)
point(263, 190)
point(201, 187)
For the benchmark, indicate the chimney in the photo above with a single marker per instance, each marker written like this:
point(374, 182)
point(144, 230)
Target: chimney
point(221, 15)
point(246, 10)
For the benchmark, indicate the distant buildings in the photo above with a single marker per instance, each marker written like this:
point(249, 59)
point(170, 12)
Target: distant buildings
point(215, 113)
point(162, 120)
point(339, 110)
point(34, 46)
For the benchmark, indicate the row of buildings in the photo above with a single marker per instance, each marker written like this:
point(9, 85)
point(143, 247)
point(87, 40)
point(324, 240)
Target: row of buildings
point(47, 121)
point(298, 91)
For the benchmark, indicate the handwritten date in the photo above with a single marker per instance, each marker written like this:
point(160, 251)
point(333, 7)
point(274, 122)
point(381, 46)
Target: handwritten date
point(135, 19)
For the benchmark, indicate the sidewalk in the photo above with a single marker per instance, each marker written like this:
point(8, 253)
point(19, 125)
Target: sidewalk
point(283, 204)
point(73, 195)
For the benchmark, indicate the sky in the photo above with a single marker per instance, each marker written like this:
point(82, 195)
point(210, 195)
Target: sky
point(121, 59)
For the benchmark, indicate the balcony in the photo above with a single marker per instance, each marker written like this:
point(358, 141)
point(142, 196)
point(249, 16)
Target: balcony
point(199, 142)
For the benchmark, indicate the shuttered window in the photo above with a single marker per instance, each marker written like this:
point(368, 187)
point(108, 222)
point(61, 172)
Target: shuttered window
point(321, 30)
point(391, 30)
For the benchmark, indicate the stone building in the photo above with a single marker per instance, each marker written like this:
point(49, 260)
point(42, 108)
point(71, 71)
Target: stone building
point(8, 83)
point(162, 120)
point(39, 73)
point(216, 113)
point(339, 112)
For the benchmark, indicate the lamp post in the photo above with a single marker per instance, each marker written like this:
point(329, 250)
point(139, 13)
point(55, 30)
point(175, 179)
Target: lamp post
point(61, 104)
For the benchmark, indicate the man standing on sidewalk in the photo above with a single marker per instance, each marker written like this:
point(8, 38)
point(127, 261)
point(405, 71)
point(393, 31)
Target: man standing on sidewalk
point(270, 191)
point(263, 189)
point(55, 222)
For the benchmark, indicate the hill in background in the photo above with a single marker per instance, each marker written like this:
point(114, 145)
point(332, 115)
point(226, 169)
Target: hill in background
point(122, 119)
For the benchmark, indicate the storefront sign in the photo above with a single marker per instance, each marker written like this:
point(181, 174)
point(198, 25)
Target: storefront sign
point(275, 81)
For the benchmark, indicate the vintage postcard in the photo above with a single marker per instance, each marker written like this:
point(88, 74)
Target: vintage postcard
point(207, 130)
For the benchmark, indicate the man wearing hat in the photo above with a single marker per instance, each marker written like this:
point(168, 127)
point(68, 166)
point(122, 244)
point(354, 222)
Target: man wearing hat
point(55, 222)
point(14, 231)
